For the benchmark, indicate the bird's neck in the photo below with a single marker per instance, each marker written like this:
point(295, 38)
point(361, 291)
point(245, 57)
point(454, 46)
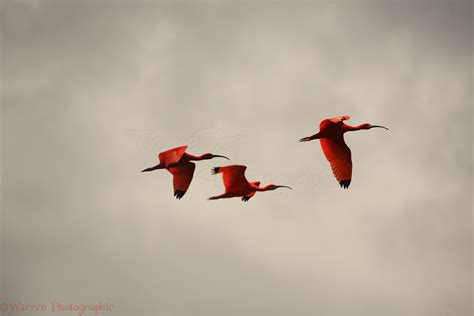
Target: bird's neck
point(265, 188)
point(255, 186)
point(348, 128)
point(196, 158)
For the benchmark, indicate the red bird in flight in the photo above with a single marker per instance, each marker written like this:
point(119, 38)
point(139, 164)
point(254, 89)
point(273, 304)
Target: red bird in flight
point(180, 165)
point(236, 185)
point(331, 136)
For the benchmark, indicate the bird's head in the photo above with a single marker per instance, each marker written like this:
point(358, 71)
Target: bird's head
point(369, 126)
point(210, 156)
point(271, 187)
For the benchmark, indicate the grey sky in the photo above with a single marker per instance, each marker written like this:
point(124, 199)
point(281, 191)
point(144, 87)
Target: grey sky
point(93, 90)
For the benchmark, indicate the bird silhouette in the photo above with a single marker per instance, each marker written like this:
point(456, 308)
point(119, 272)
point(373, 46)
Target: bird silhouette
point(331, 136)
point(180, 165)
point(236, 185)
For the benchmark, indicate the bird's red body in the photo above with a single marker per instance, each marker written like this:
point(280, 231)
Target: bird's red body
point(331, 137)
point(180, 165)
point(236, 185)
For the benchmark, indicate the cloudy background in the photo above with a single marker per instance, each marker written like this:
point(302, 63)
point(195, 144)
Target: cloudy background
point(93, 90)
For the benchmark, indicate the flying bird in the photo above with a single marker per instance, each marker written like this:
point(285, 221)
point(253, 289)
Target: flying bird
point(331, 136)
point(236, 185)
point(180, 165)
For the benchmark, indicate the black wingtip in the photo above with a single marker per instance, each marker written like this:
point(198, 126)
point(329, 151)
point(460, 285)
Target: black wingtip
point(179, 194)
point(245, 198)
point(345, 183)
point(215, 170)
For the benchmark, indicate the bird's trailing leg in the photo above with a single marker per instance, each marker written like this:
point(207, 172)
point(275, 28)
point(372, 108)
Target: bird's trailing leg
point(217, 197)
point(158, 166)
point(309, 138)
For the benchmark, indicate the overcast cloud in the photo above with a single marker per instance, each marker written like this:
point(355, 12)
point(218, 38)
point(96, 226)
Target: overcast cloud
point(93, 90)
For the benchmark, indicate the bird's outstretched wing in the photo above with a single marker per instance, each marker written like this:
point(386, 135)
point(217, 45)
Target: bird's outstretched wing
point(182, 177)
point(339, 156)
point(233, 177)
point(333, 120)
point(248, 196)
point(171, 156)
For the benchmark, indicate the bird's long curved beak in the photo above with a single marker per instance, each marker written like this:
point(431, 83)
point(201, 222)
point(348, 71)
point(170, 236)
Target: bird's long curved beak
point(380, 126)
point(283, 186)
point(221, 156)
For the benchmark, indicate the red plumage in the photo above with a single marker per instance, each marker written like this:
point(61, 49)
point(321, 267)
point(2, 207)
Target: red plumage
point(331, 137)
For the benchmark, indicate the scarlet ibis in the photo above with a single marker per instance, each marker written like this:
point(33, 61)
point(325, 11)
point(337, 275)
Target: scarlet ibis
point(236, 185)
point(179, 164)
point(331, 136)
